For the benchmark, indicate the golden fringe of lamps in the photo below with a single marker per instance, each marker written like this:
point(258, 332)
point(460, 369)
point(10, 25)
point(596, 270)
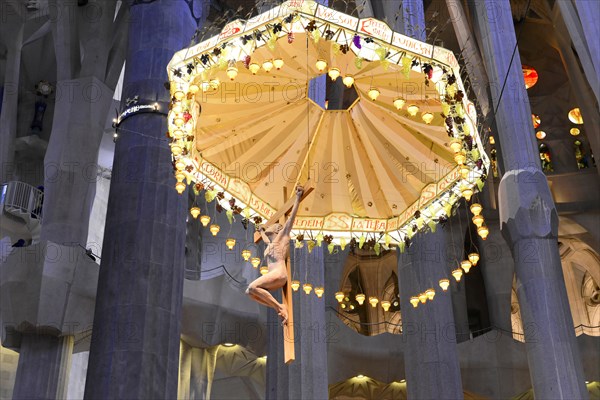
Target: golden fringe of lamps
point(360, 298)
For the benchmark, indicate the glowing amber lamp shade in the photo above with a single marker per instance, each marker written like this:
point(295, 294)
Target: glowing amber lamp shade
point(385, 304)
point(214, 229)
point(295, 285)
point(246, 254)
point(195, 211)
point(444, 283)
point(360, 298)
point(373, 301)
point(230, 243)
point(307, 287)
point(474, 258)
point(414, 301)
point(204, 220)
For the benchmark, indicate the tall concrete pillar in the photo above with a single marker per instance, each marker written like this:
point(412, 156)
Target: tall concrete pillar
point(583, 85)
point(10, 98)
point(196, 372)
point(528, 218)
point(430, 356)
point(43, 370)
point(135, 343)
point(455, 252)
point(579, 29)
point(589, 14)
point(498, 271)
point(306, 377)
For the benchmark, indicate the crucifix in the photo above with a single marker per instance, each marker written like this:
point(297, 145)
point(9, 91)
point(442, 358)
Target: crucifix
point(276, 234)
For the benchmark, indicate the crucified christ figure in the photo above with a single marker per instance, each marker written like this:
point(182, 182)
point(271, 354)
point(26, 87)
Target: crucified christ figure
point(277, 238)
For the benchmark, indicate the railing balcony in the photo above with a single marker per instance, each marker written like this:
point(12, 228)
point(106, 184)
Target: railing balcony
point(22, 200)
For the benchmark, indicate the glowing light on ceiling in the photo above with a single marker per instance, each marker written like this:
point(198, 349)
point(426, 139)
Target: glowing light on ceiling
point(540, 135)
point(530, 75)
point(575, 116)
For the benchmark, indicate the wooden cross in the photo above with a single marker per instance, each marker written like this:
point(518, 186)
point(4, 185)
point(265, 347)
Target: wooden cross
point(289, 352)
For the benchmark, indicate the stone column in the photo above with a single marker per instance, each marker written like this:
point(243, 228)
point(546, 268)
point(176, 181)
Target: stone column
point(582, 84)
point(10, 98)
point(306, 377)
point(185, 370)
point(498, 270)
point(134, 351)
point(579, 38)
point(430, 356)
point(528, 218)
point(455, 252)
point(196, 372)
point(470, 52)
point(43, 370)
point(589, 15)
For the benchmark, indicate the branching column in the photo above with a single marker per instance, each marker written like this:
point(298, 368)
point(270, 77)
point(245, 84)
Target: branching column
point(43, 371)
point(431, 356)
point(306, 377)
point(10, 98)
point(528, 218)
point(135, 343)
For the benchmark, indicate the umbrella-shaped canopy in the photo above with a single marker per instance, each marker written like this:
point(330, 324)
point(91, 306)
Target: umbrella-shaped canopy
point(395, 161)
